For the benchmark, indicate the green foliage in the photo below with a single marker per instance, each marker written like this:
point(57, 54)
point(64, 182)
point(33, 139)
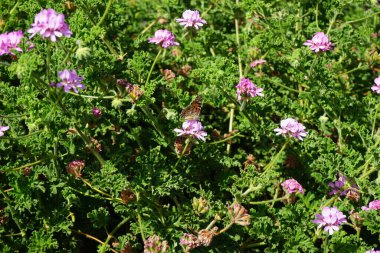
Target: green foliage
point(134, 184)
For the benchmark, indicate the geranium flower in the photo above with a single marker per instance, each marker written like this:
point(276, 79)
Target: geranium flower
point(373, 205)
point(292, 186)
point(164, 38)
point(376, 86)
point(246, 89)
point(330, 219)
point(291, 127)
point(70, 81)
point(192, 128)
point(191, 19)
point(10, 41)
point(3, 129)
point(319, 42)
point(257, 62)
point(50, 25)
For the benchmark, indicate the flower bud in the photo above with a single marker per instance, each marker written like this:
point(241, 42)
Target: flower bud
point(200, 205)
point(75, 168)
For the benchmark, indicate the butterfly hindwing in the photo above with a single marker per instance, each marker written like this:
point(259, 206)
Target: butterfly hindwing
point(192, 111)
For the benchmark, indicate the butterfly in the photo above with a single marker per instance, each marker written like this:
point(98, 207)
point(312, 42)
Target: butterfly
point(193, 110)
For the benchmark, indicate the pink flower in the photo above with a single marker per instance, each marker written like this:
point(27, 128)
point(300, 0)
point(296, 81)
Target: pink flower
point(154, 245)
point(257, 62)
point(246, 88)
point(190, 241)
point(192, 128)
point(191, 19)
point(3, 129)
point(331, 219)
point(372, 251)
point(291, 185)
point(70, 81)
point(319, 42)
point(49, 24)
point(376, 86)
point(373, 205)
point(291, 127)
point(96, 112)
point(10, 41)
point(164, 38)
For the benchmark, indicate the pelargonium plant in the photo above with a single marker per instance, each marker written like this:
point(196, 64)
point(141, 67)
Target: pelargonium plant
point(49, 24)
point(246, 88)
point(376, 86)
point(3, 129)
point(10, 42)
point(193, 129)
point(373, 205)
point(164, 38)
point(292, 128)
point(330, 219)
point(292, 186)
point(70, 81)
point(319, 43)
point(191, 19)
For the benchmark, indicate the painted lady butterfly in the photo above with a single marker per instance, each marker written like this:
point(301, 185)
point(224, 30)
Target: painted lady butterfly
point(192, 111)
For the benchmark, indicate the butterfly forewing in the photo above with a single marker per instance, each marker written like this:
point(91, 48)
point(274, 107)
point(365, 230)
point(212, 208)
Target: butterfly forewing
point(192, 111)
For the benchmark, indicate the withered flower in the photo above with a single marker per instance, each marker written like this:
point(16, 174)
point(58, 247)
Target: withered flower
point(75, 168)
point(239, 214)
point(205, 236)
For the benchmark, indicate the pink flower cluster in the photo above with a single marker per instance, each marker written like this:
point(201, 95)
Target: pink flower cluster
point(257, 63)
point(330, 219)
point(190, 241)
point(164, 38)
point(9, 42)
point(3, 129)
point(372, 251)
point(246, 88)
point(291, 127)
point(192, 128)
point(319, 42)
point(376, 86)
point(70, 81)
point(154, 245)
point(292, 186)
point(50, 24)
point(373, 205)
point(191, 19)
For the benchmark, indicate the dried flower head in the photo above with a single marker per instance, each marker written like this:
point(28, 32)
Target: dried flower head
point(168, 74)
point(191, 19)
point(185, 70)
point(154, 245)
point(257, 63)
point(246, 89)
point(292, 186)
point(75, 168)
point(239, 214)
point(164, 38)
point(330, 219)
point(127, 195)
point(319, 42)
point(135, 92)
point(205, 236)
point(50, 25)
point(179, 146)
point(291, 127)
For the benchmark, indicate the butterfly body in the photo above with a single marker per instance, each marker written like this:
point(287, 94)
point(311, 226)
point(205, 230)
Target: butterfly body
point(192, 111)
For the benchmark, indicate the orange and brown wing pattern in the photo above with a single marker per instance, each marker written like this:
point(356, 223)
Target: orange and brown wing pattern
point(192, 111)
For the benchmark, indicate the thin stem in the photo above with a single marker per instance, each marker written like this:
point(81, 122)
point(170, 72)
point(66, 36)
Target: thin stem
point(374, 119)
point(332, 23)
point(364, 175)
point(268, 201)
point(32, 164)
point(105, 13)
point(271, 163)
point(13, 213)
point(94, 188)
point(21, 136)
point(183, 153)
point(88, 96)
point(139, 216)
point(230, 127)
point(93, 238)
point(94, 196)
point(48, 61)
point(316, 16)
point(213, 222)
point(153, 64)
point(227, 139)
point(226, 228)
point(90, 146)
point(110, 235)
point(360, 19)
point(13, 116)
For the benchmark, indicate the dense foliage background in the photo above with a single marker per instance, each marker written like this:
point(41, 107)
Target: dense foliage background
point(133, 179)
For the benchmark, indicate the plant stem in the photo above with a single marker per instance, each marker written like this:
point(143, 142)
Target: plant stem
point(139, 216)
point(94, 188)
point(110, 235)
point(226, 228)
point(183, 152)
point(364, 175)
point(90, 146)
point(105, 13)
point(272, 162)
point(32, 164)
point(153, 64)
point(374, 119)
point(360, 19)
point(93, 238)
point(94, 196)
point(268, 201)
point(230, 127)
point(227, 139)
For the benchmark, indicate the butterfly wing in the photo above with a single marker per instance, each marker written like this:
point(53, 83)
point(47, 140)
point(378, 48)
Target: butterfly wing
point(192, 111)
